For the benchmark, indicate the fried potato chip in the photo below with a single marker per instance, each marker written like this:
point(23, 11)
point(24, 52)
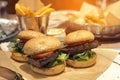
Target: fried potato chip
point(95, 19)
point(89, 20)
point(112, 19)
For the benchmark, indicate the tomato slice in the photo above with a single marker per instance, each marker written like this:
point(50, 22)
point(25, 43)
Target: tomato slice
point(41, 55)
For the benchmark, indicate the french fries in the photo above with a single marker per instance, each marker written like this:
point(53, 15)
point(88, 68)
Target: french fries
point(41, 10)
point(95, 19)
point(46, 12)
point(24, 11)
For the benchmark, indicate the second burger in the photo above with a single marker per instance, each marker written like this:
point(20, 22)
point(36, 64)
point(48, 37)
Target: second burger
point(78, 45)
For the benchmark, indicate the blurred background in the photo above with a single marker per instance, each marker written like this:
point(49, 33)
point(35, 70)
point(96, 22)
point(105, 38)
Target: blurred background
point(8, 7)
point(62, 4)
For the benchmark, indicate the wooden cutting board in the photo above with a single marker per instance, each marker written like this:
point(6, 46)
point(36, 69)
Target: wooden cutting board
point(104, 59)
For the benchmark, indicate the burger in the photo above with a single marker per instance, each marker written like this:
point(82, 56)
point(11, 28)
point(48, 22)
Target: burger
point(43, 55)
point(78, 45)
point(18, 43)
point(8, 74)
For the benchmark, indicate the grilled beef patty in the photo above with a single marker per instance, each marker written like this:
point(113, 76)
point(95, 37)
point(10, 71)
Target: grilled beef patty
point(21, 44)
point(42, 62)
point(79, 48)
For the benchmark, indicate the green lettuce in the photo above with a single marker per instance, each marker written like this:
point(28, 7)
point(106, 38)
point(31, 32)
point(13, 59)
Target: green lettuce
point(16, 46)
point(83, 56)
point(60, 59)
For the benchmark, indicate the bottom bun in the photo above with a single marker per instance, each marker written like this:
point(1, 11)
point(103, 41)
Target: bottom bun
point(81, 64)
point(50, 71)
point(19, 57)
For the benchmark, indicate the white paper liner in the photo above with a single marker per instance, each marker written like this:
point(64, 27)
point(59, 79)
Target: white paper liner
point(113, 72)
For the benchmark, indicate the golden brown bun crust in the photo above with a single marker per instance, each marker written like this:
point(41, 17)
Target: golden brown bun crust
point(78, 64)
point(78, 36)
point(29, 34)
point(19, 57)
point(50, 71)
point(43, 44)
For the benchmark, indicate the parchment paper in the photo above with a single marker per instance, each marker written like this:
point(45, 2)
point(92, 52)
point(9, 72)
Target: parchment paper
point(104, 60)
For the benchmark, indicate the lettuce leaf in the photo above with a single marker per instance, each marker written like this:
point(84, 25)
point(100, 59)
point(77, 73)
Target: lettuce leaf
point(60, 59)
point(16, 46)
point(83, 56)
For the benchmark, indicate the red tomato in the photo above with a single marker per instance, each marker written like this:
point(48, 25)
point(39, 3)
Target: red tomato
point(41, 55)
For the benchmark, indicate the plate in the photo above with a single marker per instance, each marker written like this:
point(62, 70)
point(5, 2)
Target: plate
point(8, 29)
point(104, 60)
point(10, 36)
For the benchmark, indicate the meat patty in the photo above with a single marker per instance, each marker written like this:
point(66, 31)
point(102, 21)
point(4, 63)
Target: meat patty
point(79, 48)
point(20, 44)
point(42, 62)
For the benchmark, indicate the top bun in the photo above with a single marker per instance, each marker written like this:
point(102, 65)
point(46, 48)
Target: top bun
point(79, 36)
point(29, 34)
point(40, 45)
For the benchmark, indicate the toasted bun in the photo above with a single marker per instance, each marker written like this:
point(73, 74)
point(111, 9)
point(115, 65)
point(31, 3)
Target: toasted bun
point(87, 63)
point(79, 36)
point(40, 45)
point(19, 57)
point(29, 34)
point(50, 71)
